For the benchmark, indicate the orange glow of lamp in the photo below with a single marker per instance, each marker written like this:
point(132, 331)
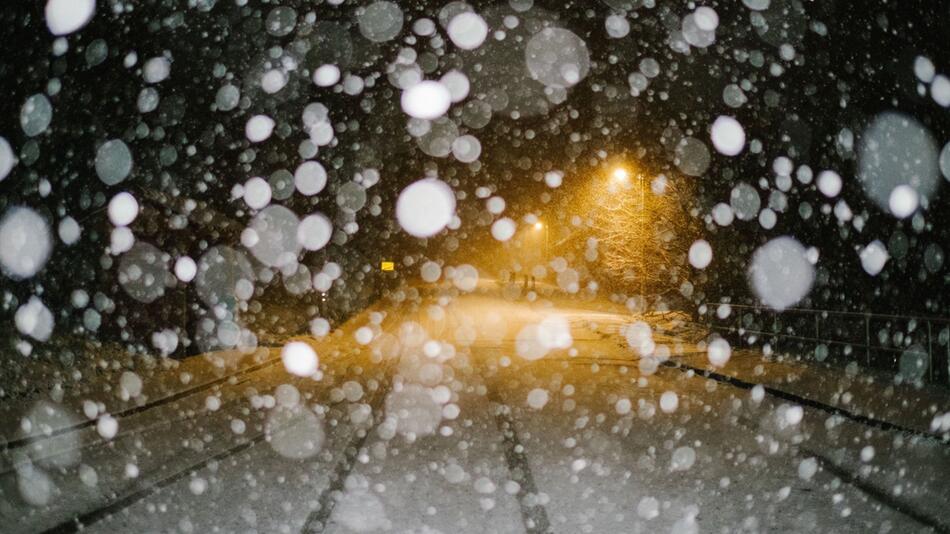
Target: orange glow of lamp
point(620, 174)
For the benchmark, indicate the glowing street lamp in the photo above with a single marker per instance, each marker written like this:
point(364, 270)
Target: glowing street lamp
point(621, 177)
point(538, 226)
point(620, 174)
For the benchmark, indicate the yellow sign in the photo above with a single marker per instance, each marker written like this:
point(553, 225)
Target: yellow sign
point(388, 266)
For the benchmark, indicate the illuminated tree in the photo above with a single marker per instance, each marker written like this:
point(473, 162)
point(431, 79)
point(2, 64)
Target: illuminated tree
point(644, 230)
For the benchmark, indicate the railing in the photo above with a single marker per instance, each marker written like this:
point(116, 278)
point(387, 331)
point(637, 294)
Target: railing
point(917, 347)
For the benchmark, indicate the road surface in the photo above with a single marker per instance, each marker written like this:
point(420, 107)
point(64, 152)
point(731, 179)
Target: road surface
point(443, 411)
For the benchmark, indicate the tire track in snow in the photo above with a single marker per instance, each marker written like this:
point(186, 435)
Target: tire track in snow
point(878, 494)
point(80, 522)
point(120, 436)
point(535, 516)
point(19, 442)
point(319, 519)
point(810, 403)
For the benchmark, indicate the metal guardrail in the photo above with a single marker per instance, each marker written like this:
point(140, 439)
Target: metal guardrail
point(884, 339)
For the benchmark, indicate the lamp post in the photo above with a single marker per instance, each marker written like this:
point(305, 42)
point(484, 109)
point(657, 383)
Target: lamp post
point(538, 226)
point(621, 176)
point(643, 296)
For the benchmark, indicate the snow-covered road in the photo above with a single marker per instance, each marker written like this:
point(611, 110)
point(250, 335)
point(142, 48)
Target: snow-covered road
point(475, 413)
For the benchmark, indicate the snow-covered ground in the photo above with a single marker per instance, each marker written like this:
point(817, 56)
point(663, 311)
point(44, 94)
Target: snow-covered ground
point(478, 412)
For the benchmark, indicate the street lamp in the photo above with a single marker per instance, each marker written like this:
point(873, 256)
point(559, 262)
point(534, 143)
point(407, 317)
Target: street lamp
point(538, 226)
point(620, 175)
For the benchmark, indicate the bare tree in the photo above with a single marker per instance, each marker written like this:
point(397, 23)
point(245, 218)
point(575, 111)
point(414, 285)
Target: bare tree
point(644, 230)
